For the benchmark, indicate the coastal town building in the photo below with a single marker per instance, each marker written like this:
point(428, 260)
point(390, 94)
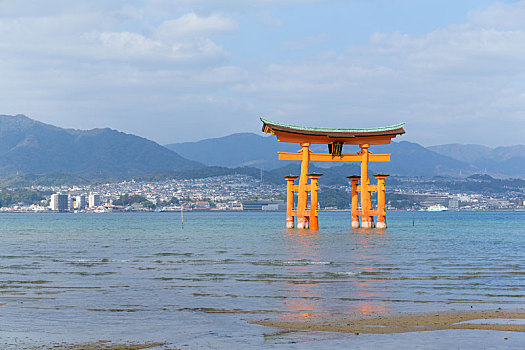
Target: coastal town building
point(263, 205)
point(59, 202)
point(80, 202)
point(94, 200)
point(453, 204)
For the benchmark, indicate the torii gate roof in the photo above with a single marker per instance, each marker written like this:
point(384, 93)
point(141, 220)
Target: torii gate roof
point(298, 134)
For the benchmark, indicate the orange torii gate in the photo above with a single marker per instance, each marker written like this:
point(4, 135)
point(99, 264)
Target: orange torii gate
point(335, 139)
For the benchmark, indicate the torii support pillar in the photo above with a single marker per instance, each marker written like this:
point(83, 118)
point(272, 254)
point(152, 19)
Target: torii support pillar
point(381, 200)
point(314, 201)
point(290, 200)
point(354, 180)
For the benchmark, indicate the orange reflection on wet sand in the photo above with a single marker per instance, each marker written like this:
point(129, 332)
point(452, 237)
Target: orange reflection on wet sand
point(304, 296)
point(367, 252)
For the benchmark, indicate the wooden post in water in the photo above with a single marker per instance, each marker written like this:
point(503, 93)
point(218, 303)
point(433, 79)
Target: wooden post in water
point(290, 200)
point(181, 217)
point(381, 200)
point(354, 179)
point(314, 201)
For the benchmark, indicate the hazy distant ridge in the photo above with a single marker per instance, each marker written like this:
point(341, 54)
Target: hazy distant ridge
point(236, 150)
point(249, 149)
point(509, 160)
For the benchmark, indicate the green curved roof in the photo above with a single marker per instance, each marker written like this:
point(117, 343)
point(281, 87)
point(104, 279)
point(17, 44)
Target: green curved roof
point(393, 129)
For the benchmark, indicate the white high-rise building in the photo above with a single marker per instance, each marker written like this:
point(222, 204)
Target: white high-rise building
point(94, 200)
point(80, 202)
point(59, 202)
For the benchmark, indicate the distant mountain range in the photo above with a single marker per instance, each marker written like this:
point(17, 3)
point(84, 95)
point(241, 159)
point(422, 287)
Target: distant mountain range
point(237, 150)
point(30, 147)
point(254, 150)
point(508, 161)
point(31, 151)
point(408, 159)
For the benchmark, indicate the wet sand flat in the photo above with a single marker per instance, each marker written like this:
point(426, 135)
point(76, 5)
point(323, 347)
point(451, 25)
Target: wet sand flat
point(108, 345)
point(405, 322)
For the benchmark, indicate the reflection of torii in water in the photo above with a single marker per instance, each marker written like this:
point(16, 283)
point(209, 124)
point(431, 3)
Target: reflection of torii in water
point(335, 139)
point(307, 290)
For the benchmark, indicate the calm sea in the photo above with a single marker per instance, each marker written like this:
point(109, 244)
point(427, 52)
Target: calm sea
point(141, 277)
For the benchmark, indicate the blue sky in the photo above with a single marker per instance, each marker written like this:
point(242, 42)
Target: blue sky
point(183, 70)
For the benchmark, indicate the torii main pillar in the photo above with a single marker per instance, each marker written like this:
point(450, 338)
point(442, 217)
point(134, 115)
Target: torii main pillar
point(302, 197)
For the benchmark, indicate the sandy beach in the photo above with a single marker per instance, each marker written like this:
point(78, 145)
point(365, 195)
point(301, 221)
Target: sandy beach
point(407, 322)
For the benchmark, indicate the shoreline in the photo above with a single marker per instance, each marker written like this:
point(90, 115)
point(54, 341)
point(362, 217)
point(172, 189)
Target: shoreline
point(406, 323)
point(517, 210)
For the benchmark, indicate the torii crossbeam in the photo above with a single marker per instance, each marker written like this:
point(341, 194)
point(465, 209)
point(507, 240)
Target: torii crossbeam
point(335, 139)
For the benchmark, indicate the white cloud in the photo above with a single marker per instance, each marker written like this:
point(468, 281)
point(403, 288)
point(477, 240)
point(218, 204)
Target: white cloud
point(199, 49)
point(500, 15)
point(68, 36)
point(458, 50)
point(128, 43)
point(185, 39)
point(190, 25)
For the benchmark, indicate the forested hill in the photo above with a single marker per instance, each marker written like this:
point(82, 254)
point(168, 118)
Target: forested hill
point(31, 147)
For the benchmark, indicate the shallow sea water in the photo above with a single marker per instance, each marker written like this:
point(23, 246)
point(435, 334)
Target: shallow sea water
point(141, 277)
